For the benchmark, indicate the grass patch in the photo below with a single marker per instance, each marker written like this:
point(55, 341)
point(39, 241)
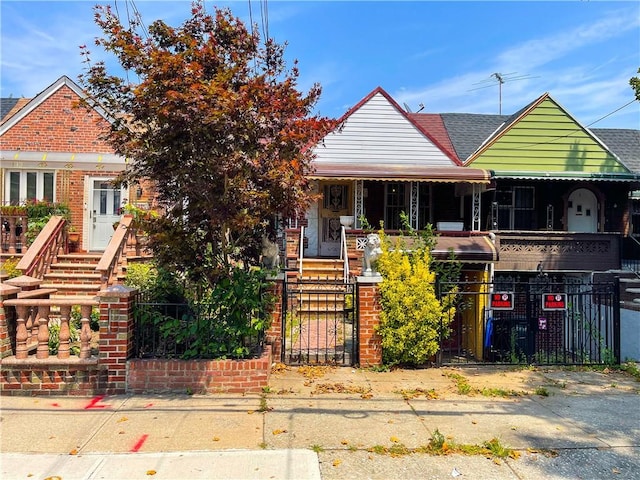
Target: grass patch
point(439, 444)
point(542, 391)
point(317, 448)
point(464, 388)
point(264, 407)
point(431, 394)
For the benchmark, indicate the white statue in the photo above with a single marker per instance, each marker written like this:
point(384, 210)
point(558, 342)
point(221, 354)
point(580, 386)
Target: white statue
point(270, 254)
point(372, 251)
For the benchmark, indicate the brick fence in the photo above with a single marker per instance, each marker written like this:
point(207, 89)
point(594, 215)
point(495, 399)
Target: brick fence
point(114, 371)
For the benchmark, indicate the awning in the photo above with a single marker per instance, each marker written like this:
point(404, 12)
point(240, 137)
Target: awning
point(467, 247)
point(593, 176)
point(416, 173)
point(470, 249)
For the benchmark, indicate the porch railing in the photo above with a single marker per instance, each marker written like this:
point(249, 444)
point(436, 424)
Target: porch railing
point(344, 253)
point(115, 253)
point(529, 250)
point(301, 249)
point(34, 319)
point(44, 249)
point(14, 233)
point(631, 254)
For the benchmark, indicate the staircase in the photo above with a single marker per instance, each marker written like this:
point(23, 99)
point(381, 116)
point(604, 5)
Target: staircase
point(74, 274)
point(321, 289)
point(629, 290)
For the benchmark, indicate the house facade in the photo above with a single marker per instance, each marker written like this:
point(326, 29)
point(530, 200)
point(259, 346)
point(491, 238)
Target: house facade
point(53, 149)
point(550, 196)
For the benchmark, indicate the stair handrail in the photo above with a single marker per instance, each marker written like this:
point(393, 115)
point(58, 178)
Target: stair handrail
point(636, 263)
point(301, 249)
point(44, 249)
point(344, 253)
point(115, 251)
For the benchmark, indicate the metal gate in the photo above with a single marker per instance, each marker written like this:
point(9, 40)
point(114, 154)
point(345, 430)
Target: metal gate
point(319, 324)
point(540, 322)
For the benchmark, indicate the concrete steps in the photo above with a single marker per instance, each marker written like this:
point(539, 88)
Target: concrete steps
point(74, 274)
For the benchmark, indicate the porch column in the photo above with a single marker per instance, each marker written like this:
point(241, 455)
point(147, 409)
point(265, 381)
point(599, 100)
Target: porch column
point(358, 202)
point(475, 225)
point(413, 206)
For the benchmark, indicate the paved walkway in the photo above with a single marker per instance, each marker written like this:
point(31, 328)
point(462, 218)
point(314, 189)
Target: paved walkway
point(318, 423)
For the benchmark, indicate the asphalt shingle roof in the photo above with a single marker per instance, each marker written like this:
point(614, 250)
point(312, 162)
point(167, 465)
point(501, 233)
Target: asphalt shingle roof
point(6, 104)
point(625, 143)
point(467, 131)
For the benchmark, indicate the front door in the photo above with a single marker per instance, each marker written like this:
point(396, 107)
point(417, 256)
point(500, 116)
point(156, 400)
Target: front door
point(103, 212)
point(335, 202)
point(582, 211)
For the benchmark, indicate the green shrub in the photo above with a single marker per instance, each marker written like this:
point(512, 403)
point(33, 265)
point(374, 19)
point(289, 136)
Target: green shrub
point(54, 338)
point(413, 321)
point(39, 213)
point(9, 267)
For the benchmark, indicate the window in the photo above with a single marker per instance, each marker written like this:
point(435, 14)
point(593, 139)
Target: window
point(29, 185)
point(395, 194)
point(516, 208)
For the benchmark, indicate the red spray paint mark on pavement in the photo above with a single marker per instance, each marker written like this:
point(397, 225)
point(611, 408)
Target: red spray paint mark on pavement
point(94, 403)
point(148, 405)
point(55, 404)
point(139, 443)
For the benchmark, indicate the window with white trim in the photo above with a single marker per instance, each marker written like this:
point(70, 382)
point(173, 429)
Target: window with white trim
point(23, 185)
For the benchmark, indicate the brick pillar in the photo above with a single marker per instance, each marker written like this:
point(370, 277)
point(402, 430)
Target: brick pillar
point(369, 342)
point(116, 337)
point(7, 319)
point(274, 333)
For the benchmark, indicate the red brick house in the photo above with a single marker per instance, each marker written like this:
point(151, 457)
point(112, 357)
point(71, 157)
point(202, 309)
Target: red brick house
point(52, 149)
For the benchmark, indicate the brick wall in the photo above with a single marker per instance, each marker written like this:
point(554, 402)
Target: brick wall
point(369, 308)
point(59, 125)
point(199, 376)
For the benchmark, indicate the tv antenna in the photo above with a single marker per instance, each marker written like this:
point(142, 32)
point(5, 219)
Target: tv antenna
point(500, 78)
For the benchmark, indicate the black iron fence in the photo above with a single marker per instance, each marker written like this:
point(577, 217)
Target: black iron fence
point(319, 324)
point(535, 322)
point(193, 330)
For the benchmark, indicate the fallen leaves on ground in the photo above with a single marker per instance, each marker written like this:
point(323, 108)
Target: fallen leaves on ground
point(365, 392)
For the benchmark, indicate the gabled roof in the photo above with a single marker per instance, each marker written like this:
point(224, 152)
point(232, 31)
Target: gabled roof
point(33, 103)
point(468, 131)
point(522, 140)
point(433, 126)
point(378, 140)
point(379, 91)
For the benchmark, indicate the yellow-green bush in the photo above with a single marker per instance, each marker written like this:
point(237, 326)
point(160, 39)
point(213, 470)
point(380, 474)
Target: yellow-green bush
point(413, 320)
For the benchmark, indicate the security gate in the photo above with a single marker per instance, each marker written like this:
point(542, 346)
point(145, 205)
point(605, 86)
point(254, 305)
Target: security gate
point(541, 321)
point(319, 324)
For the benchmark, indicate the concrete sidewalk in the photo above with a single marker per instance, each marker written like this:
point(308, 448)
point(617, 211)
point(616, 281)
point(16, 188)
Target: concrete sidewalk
point(337, 423)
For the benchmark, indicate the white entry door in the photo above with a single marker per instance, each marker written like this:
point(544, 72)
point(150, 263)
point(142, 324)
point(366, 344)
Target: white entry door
point(103, 212)
point(582, 211)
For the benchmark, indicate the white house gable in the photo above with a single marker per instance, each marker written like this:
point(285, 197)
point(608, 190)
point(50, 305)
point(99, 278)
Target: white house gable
point(377, 132)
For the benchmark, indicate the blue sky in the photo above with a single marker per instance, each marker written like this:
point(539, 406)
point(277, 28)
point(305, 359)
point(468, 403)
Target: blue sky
point(439, 54)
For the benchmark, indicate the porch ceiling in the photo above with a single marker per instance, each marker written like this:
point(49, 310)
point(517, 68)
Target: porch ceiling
point(416, 173)
point(469, 249)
